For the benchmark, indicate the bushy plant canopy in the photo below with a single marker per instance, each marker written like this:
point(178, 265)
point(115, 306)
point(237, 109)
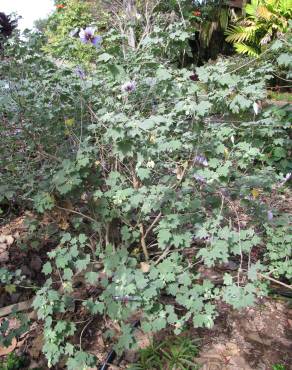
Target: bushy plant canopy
point(154, 172)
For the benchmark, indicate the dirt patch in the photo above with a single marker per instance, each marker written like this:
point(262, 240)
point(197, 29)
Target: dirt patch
point(254, 338)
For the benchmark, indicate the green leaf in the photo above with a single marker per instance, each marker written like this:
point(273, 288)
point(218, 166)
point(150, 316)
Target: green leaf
point(162, 74)
point(47, 268)
point(202, 108)
point(105, 57)
point(285, 60)
point(91, 277)
point(151, 122)
point(164, 236)
point(81, 264)
point(67, 274)
point(227, 279)
point(158, 324)
point(82, 238)
point(143, 173)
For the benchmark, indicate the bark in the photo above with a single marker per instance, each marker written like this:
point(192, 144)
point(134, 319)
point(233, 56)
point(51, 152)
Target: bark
point(130, 12)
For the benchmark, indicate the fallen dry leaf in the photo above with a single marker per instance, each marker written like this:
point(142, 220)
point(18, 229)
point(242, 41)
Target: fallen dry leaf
point(37, 346)
point(4, 255)
point(145, 267)
point(6, 350)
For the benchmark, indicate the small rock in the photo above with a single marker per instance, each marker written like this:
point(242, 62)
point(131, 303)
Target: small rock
point(4, 255)
point(100, 341)
point(15, 297)
point(131, 356)
point(25, 271)
point(230, 265)
point(36, 263)
point(9, 239)
point(239, 363)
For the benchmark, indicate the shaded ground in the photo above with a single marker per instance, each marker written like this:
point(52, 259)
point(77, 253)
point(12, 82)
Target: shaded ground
point(255, 338)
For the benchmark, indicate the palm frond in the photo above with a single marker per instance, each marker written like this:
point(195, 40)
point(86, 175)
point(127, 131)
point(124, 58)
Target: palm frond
point(251, 9)
point(264, 19)
point(240, 34)
point(246, 22)
point(286, 7)
point(283, 7)
point(264, 13)
point(246, 49)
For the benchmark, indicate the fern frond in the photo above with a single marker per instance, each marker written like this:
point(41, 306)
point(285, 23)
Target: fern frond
point(246, 49)
point(283, 7)
point(251, 9)
point(264, 13)
point(247, 22)
point(240, 34)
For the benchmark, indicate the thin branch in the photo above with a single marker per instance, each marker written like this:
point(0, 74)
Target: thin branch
point(163, 255)
point(143, 243)
point(281, 78)
point(76, 212)
point(181, 12)
point(157, 218)
point(249, 62)
point(85, 326)
point(275, 281)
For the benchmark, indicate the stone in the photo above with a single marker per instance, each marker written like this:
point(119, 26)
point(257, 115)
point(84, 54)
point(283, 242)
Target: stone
point(36, 263)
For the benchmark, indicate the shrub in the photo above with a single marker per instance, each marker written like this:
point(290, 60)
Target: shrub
point(148, 165)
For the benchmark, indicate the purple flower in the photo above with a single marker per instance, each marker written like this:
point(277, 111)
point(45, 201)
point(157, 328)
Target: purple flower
point(87, 37)
point(201, 160)
point(199, 178)
point(270, 215)
point(129, 86)
point(80, 73)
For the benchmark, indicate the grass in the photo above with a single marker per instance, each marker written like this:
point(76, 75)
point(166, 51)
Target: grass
point(280, 96)
point(172, 354)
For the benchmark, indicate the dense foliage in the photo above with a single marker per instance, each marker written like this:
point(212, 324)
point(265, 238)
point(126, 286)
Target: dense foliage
point(265, 20)
point(158, 177)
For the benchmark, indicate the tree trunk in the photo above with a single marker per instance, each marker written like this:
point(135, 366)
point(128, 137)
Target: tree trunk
point(130, 11)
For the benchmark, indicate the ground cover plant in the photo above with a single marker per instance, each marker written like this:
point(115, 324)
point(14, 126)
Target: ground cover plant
point(159, 173)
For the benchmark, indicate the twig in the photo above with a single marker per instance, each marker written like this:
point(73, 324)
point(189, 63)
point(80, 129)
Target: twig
point(181, 12)
point(76, 212)
point(163, 255)
point(21, 306)
point(85, 326)
point(281, 78)
point(275, 281)
point(47, 155)
point(249, 62)
point(143, 243)
point(157, 218)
